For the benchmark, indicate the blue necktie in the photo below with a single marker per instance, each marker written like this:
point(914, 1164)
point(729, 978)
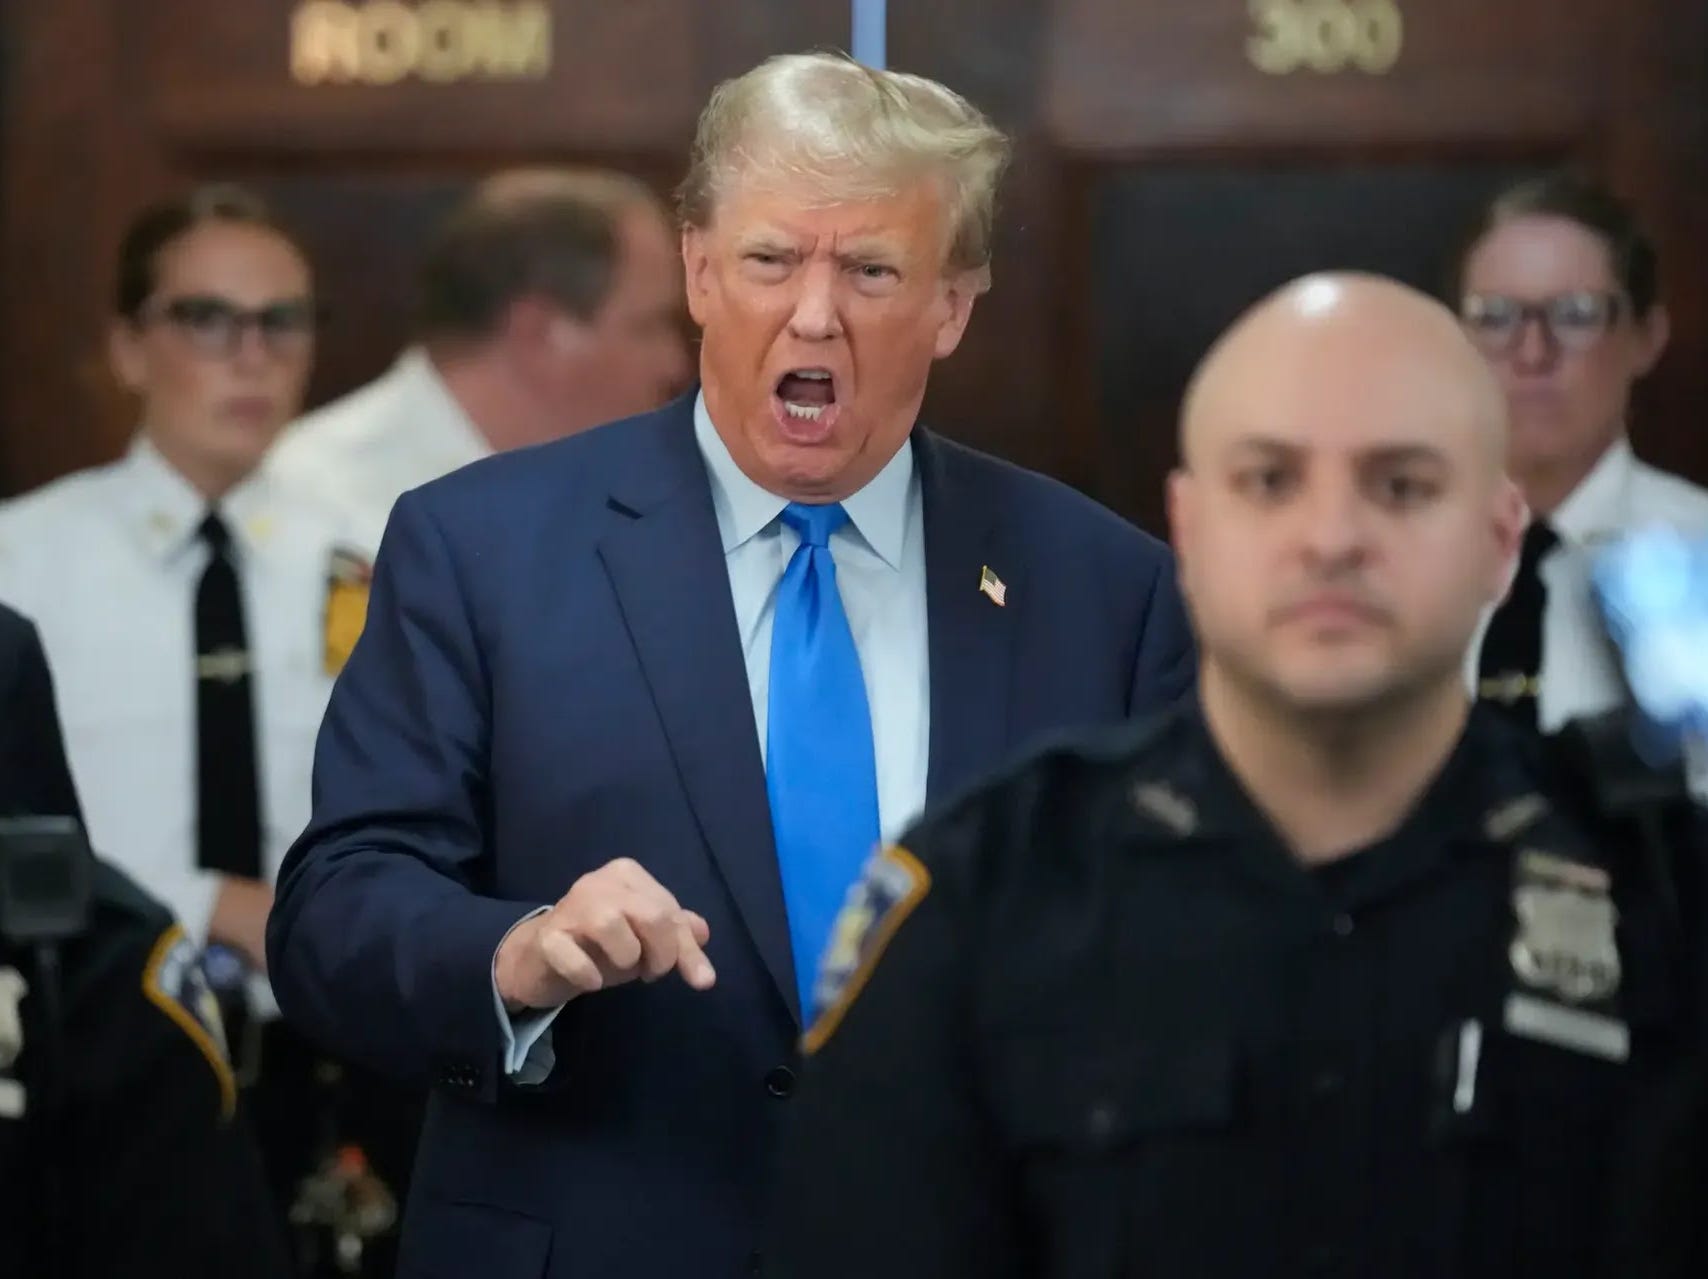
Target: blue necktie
point(820, 770)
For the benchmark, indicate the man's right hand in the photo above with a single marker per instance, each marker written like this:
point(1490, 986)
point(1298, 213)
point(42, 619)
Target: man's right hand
point(240, 918)
point(616, 924)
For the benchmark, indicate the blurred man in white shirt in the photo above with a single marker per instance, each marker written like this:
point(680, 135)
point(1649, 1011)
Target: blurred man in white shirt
point(550, 302)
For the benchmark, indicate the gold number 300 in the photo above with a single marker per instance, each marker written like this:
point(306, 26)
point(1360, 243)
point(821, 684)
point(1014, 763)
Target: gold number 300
point(1325, 35)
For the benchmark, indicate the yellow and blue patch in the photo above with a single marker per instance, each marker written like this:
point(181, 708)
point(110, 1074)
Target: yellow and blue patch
point(348, 579)
point(893, 883)
point(174, 982)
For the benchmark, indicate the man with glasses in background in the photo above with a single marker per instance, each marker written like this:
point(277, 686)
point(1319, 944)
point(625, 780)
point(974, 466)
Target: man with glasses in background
point(1559, 287)
point(195, 609)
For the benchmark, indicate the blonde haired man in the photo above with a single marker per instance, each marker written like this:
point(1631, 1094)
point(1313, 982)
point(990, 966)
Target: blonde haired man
point(631, 709)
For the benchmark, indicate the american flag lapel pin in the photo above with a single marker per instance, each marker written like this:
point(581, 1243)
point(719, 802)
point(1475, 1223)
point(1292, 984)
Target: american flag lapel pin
point(993, 586)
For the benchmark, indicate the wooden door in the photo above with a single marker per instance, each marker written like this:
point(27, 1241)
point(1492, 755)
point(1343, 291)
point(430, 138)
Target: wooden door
point(1175, 159)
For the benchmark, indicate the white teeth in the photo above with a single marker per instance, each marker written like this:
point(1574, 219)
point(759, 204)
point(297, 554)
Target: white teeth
point(808, 411)
point(816, 375)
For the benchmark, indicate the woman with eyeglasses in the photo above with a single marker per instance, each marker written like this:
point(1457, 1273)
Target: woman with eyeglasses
point(196, 609)
point(1558, 285)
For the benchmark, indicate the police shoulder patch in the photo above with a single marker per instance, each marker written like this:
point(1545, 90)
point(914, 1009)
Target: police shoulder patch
point(348, 577)
point(893, 883)
point(174, 983)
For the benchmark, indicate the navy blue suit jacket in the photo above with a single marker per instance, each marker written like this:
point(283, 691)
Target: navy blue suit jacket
point(550, 678)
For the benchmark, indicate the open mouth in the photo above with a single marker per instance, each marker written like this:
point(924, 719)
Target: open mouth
point(806, 397)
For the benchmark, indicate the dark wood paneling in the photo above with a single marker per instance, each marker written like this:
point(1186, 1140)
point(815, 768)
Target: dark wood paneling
point(1655, 146)
point(997, 390)
point(1182, 249)
point(75, 157)
point(625, 77)
point(1152, 76)
point(108, 102)
point(622, 76)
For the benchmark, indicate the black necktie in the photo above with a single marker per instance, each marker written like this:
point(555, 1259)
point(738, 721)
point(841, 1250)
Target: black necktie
point(228, 804)
point(1511, 663)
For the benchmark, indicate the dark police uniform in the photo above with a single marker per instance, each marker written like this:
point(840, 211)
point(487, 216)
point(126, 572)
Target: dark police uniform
point(127, 1159)
point(1118, 1029)
point(141, 1167)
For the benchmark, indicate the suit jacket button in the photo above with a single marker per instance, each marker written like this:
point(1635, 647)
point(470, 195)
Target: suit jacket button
point(780, 1082)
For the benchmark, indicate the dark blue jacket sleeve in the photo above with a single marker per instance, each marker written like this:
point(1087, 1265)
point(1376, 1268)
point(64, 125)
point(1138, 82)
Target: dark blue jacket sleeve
point(34, 776)
point(380, 943)
point(1167, 661)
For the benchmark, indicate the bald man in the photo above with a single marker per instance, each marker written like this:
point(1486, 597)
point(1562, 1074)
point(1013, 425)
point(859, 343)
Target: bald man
point(1316, 974)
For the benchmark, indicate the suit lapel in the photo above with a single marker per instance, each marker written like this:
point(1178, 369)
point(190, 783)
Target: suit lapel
point(665, 560)
point(971, 636)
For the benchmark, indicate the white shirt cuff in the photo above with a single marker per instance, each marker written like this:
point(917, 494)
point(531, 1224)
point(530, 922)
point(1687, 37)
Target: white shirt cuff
point(191, 897)
point(528, 1053)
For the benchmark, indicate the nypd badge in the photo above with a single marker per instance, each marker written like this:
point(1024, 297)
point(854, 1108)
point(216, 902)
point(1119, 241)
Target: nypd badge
point(1565, 956)
point(892, 884)
point(1566, 920)
point(13, 988)
point(174, 982)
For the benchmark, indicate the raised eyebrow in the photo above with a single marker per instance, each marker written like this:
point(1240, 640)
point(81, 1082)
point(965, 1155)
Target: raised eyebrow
point(774, 245)
point(1406, 455)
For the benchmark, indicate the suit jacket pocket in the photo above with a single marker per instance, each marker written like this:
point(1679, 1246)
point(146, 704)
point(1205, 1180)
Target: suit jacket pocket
point(1125, 1151)
point(445, 1239)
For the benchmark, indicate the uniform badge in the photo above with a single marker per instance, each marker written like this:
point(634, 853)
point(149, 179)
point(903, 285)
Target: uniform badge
point(892, 884)
point(174, 982)
point(13, 988)
point(1565, 956)
point(348, 577)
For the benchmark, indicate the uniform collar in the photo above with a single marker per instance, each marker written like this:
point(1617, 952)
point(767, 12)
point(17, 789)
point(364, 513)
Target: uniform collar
point(878, 511)
point(438, 421)
point(165, 510)
point(1599, 507)
point(1194, 780)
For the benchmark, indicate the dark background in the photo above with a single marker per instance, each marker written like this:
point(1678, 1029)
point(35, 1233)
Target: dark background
point(1162, 182)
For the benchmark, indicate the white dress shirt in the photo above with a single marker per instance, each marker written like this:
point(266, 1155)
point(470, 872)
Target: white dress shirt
point(107, 562)
point(366, 449)
point(880, 574)
point(1580, 674)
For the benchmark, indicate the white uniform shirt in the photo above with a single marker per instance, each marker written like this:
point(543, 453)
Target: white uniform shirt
point(107, 562)
point(1580, 673)
point(368, 448)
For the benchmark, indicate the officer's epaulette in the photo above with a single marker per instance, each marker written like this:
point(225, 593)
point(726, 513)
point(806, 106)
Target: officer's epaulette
point(1064, 751)
point(1154, 753)
point(113, 890)
point(1121, 744)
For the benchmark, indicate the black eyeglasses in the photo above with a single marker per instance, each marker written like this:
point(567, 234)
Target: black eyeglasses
point(1573, 321)
point(215, 325)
